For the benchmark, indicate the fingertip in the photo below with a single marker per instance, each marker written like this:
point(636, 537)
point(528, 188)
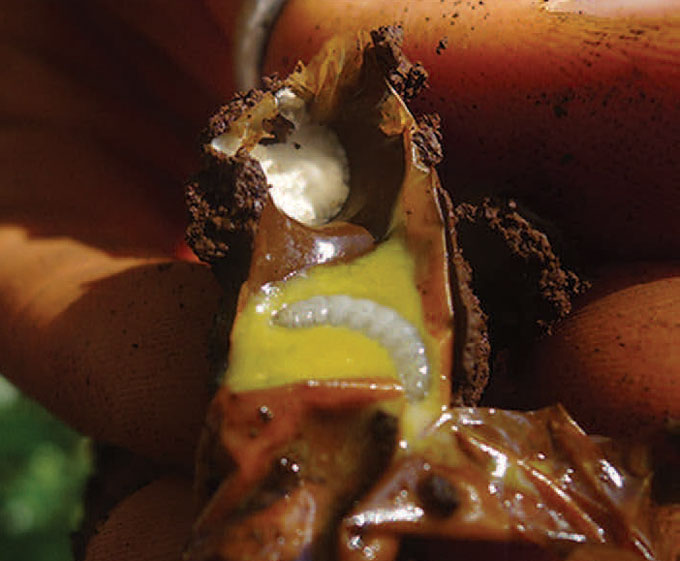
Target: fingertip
point(152, 524)
point(614, 363)
point(668, 527)
point(116, 347)
point(133, 357)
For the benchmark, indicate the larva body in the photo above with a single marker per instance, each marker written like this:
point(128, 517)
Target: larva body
point(380, 323)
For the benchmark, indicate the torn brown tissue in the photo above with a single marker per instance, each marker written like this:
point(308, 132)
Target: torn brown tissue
point(407, 78)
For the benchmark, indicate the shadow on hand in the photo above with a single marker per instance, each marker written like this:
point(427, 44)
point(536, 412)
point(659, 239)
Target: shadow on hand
point(124, 357)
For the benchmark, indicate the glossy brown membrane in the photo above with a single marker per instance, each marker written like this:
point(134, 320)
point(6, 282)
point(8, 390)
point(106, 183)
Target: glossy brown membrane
point(485, 474)
point(344, 468)
point(277, 465)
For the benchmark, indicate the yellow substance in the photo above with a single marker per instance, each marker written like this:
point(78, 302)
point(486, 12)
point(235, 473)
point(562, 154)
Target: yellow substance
point(264, 355)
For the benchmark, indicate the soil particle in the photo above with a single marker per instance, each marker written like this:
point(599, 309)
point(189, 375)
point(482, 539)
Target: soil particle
point(219, 123)
point(546, 282)
point(471, 340)
point(407, 78)
point(428, 139)
point(520, 281)
point(221, 120)
point(279, 128)
point(442, 45)
point(225, 201)
point(438, 495)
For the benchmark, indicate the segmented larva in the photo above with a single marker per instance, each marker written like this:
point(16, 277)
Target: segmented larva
point(380, 323)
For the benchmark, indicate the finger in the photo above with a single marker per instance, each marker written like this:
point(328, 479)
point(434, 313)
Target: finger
point(115, 346)
point(608, 8)
point(57, 184)
point(63, 69)
point(614, 362)
point(85, 151)
point(87, 89)
point(153, 524)
point(91, 163)
point(188, 34)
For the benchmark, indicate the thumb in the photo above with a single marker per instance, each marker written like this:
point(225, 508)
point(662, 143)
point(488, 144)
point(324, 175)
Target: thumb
point(117, 347)
point(152, 524)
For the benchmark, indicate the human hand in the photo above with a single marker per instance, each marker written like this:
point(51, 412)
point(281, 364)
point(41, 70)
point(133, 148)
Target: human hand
point(106, 321)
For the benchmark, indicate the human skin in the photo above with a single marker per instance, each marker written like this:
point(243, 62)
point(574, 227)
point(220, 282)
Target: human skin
point(105, 314)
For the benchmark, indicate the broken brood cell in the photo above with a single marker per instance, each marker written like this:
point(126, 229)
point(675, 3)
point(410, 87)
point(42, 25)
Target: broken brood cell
point(363, 454)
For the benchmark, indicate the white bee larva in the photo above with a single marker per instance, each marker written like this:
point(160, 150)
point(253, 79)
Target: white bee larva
point(380, 323)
